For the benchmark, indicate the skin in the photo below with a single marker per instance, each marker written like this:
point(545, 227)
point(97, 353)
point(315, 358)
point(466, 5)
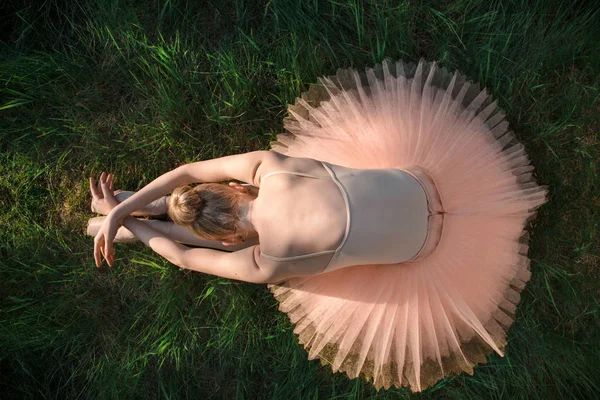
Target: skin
point(247, 220)
point(292, 215)
point(181, 234)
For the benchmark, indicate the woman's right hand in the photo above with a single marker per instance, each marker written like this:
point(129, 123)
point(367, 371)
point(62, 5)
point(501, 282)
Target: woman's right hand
point(103, 242)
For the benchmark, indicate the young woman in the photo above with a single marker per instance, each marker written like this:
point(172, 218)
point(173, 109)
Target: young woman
point(302, 216)
point(391, 216)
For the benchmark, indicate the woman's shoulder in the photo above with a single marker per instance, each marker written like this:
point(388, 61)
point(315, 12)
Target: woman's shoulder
point(280, 162)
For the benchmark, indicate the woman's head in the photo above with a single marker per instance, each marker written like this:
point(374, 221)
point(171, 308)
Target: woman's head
point(210, 210)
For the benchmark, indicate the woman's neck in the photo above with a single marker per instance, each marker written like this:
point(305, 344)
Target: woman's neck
point(247, 216)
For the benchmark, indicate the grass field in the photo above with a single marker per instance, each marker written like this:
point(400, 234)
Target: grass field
point(140, 87)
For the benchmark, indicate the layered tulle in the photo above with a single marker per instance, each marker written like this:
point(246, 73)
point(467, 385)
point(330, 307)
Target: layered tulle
point(411, 324)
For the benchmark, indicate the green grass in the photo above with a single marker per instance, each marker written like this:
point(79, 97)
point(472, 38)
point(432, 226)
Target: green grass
point(137, 88)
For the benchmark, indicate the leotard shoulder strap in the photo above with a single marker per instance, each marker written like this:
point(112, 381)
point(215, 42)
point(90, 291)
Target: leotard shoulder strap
point(265, 176)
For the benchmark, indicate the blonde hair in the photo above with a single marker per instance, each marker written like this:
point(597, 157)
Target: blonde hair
point(210, 210)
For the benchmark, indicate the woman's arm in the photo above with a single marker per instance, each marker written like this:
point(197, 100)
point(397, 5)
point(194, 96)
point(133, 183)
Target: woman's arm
point(159, 187)
point(183, 235)
point(242, 167)
point(239, 265)
point(160, 243)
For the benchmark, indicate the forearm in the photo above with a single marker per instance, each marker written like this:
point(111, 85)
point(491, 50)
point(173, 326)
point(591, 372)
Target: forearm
point(183, 235)
point(154, 208)
point(208, 261)
point(159, 242)
point(159, 187)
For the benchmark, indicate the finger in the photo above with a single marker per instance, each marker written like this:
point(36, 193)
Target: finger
point(105, 188)
point(97, 250)
point(103, 251)
point(108, 253)
point(108, 258)
point(99, 187)
point(112, 183)
point(93, 189)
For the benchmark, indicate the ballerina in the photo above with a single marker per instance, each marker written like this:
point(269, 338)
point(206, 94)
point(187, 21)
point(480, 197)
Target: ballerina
point(303, 216)
point(392, 222)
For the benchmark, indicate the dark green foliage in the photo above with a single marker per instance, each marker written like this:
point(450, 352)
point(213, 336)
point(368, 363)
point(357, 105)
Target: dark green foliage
point(139, 87)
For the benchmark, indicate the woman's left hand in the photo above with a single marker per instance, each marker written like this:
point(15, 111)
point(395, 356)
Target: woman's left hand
point(104, 201)
point(103, 198)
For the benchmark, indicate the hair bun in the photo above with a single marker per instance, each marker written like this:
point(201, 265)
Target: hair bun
point(184, 205)
point(210, 209)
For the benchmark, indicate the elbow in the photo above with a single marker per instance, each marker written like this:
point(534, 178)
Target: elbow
point(183, 175)
point(261, 275)
point(262, 278)
point(270, 276)
point(178, 258)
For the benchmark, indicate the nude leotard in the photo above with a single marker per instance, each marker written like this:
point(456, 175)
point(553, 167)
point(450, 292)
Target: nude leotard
point(391, 216)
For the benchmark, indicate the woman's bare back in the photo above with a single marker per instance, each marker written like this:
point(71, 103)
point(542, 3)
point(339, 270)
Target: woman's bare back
point(296, 215)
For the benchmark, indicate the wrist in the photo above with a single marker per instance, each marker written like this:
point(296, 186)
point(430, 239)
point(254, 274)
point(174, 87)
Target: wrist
point(116, 215)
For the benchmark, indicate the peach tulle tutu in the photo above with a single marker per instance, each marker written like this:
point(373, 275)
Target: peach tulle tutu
point(412, 324)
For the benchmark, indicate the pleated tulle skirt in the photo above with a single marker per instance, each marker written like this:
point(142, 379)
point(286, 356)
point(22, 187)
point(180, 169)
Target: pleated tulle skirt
point(412, 324)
